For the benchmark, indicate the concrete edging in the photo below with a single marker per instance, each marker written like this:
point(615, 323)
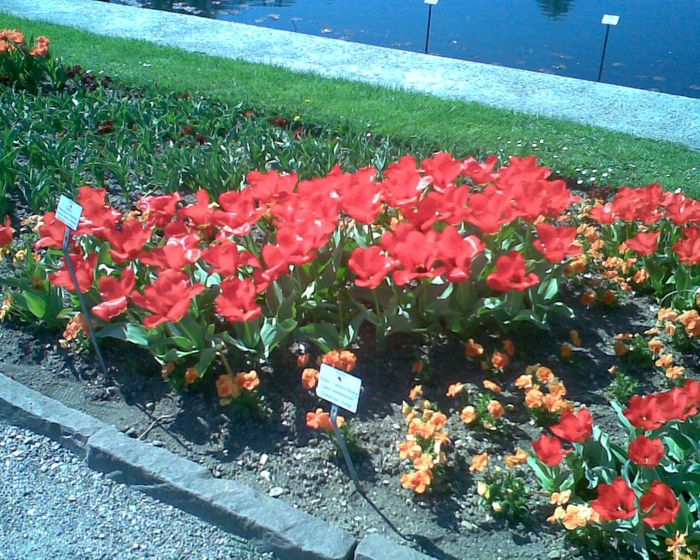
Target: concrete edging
point(271, 524)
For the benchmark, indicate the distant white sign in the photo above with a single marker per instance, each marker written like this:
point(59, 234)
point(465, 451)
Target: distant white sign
point(69, 212)
point(431, 2)
point(610, 20)
point(339, 388)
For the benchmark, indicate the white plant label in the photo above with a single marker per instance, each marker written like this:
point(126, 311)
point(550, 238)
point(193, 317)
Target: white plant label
point(339, 388)
point(610, 20)
point(69, 212)
point(431, 2)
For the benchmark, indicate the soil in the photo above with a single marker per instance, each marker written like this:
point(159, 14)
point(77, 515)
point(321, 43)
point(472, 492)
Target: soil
point(277, 454)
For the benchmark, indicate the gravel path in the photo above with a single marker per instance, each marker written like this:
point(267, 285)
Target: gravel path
point(53, 507)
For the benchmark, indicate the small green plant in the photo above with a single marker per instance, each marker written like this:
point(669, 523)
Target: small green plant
point(622, 387)
point(504, 492)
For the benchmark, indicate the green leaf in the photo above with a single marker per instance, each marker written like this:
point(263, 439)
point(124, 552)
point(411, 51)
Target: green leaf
point(274, 332)
point(206, 357)
point(324, 335)
point(35, 303)
point(129, 332)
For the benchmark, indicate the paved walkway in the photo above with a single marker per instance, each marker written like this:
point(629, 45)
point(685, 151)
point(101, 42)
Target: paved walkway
point(52, 507)
point(638, 112)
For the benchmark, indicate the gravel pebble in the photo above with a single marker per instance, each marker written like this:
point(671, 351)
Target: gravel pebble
point(53, 507)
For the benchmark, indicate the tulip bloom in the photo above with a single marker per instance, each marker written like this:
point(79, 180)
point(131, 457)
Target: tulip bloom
point(236, 302)
point(84, 272)
point(51, 232)
point(371, 266)
point(114, 294)
point(661, 504)
point(556, 243)
point(168, 298)
point(688, 249)
point(159, 210)
point(574, 427)
point(644, 243)
point(511, 274)
point(646, 452)
point(128, 241)
point(615, 501)
point(6, 233)
point(548, 450)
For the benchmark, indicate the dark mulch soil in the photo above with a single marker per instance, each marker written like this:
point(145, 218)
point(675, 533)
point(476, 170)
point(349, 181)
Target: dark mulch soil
point(280, 456)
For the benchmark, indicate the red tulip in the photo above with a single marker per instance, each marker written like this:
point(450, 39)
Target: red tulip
point(128, 241)
point(661, 504)
point(511, 274)
point(480, 173)
point(361, 198)
point(239, 211)
point(51, 232)
point(457, 253)
point(114, 294)
point(271, 186)
point(200, 213)
point(236, 302)
point(646, 452)
point(226, 258)
point(688, 248)
point(6, 233)
point(443, 169)
point(644, 243)
point(556, 243)
point(97, 217)
point(177, 253)
point(84, 272)
point(615, 501)
point(168, 298)
point(574, 427)
point(548, 450)
point(371, 266)
point(159, 210)
point(642, 412)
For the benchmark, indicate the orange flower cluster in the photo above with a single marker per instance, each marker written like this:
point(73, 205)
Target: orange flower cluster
point(575, 516)
point(10, 39)
point(229, 386)
point(77, 324)
point(424, 445)
point(543, 390)
point(340, 359)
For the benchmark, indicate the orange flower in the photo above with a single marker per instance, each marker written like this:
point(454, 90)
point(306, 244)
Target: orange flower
point(418, 481)
point(560, 498)
point(455, 389)
point(499, 360)
point(303, 360)
point(421, 429)
point(417, 367)
point(340, 359)
point(191, 375)
point(566, 350)
point(423, 462)
point(656, 346)
point(524, 382)
point(416, 392)
point(473, 349)
point(670, 329)
point(479, 463)
point(309, 377)
point(620, 348)
point(13, 35)
point(588, 297)
point(544, 374)
point(438, 420)
point(667, 314)
point(468, 414)
point(577, 516)
point(553, 403)
point(409, 449)
point(226, 386)
point(691, 321)
point(167, 369)
point(576, 266)
point(609, 297)
point(408, 412)
point(675, 372)
point(495, 409)
point(321, 420)
point(534, 398)
point(575, 338)
point(509, 347)
point(665, 361)
point(491, 386)
point(641, 276)
point(520, 457)
point(557, 389)
point(247, 381)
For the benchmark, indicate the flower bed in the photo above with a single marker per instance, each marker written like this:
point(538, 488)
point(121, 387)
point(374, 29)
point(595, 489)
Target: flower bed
point(450, 252)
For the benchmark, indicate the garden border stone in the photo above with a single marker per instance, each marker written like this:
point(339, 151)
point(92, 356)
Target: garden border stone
point(269, 523)
point(643, 113)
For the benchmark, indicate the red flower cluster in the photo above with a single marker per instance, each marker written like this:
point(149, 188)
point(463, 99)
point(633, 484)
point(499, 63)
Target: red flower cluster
point(652, 411)
point(575, 427)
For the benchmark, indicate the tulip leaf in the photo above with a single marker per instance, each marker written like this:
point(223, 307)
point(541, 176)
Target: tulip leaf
point(129, 332)
point(36, 304)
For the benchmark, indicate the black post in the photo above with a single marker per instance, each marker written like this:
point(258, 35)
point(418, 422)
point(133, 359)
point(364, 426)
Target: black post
point(344, 448)
point(427, 33)
point(83, 305)
point(605, 46)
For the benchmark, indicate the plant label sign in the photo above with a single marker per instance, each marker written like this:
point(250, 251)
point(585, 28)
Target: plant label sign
point(339, 388)
point(431, 2)
point(610, 19)
point(69, 212)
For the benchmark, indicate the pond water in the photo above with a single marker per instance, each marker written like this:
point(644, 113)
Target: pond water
point(655, 46)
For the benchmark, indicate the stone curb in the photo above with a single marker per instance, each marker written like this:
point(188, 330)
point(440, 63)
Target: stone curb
point(271, 524)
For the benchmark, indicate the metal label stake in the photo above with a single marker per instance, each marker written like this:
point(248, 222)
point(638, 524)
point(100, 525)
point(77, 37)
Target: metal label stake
point(608, 21)
point(430, 3)
point(83, 305)
point(343, 447)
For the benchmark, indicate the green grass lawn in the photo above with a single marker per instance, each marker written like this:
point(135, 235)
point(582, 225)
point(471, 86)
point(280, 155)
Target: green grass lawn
point(414, 120)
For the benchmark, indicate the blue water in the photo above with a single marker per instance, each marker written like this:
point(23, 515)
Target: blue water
point(655, 46)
